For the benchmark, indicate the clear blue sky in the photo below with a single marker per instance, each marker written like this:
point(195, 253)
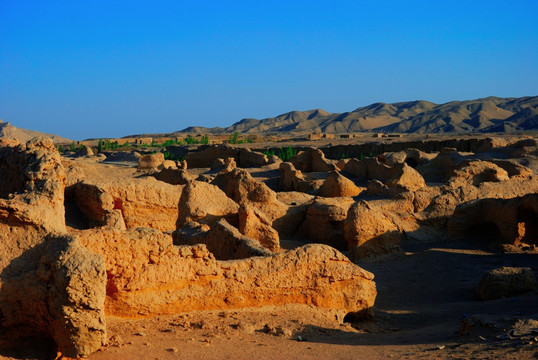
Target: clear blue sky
point(84, 69)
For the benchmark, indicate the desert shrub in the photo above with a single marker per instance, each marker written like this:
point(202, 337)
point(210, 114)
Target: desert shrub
point(287, 153)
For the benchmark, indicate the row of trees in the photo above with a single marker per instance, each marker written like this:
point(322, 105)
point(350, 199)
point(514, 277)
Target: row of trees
point(284, 153)
point(103, 145)
point(110, 145)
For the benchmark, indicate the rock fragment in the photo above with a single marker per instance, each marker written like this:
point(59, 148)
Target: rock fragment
point(506, 282)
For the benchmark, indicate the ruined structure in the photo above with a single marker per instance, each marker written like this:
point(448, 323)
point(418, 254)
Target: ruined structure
point(117, 254)
point(79, 244)
point(49, 284)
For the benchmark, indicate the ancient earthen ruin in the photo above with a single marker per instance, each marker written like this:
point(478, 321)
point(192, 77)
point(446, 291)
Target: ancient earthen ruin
point(82, 239)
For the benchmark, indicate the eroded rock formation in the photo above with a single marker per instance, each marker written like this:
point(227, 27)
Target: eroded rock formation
point(148, 276)
point(511, 221)
point(57, 289)
point(242, 188)
point(506, 281)
point(210, 238)
point(337, 185)
point(137, 201)
point(205, 203)
point(369, 232)
point(312, 160)
point(476, 172)
point(206, 156)
point(400, 175)
point(255, 224)
point(324, 221)
point(32, 186)
point(151, 161)
point(49, 284)
point(223, 240)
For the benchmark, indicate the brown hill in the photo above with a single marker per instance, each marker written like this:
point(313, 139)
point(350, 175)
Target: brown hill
point(23, 135)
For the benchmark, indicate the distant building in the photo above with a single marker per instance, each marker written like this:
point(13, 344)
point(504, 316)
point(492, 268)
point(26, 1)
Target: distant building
point(128, 140)
point(143, 141)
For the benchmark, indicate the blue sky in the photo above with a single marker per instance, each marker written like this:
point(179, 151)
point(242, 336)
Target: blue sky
point(84, 69)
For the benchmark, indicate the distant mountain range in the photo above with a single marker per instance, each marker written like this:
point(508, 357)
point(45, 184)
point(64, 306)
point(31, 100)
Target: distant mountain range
point(491, 114)
point(486, 115)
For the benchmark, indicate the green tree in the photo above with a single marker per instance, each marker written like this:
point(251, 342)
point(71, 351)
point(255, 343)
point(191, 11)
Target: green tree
point(287, 153)
point(269, 152)
point(233, 138)
point(190, 140)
